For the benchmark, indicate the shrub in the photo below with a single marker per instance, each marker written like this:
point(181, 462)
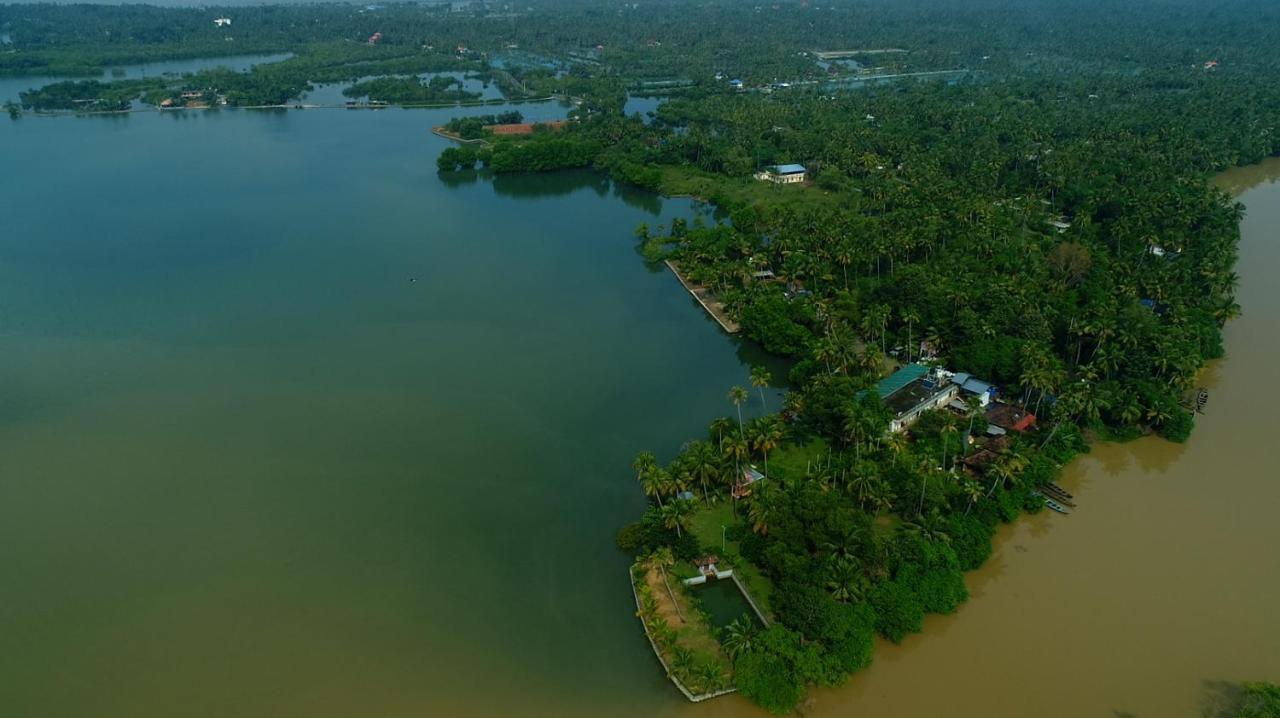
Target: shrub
point(898, 611)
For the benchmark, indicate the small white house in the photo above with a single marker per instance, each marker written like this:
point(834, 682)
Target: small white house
point(783, 174)
point(973, 387)
point(222, 21)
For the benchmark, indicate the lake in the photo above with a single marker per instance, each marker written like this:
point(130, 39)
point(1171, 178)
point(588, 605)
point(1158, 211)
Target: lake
point(292, 427)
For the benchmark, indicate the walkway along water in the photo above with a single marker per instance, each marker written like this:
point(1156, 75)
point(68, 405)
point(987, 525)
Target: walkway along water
point(707, 299)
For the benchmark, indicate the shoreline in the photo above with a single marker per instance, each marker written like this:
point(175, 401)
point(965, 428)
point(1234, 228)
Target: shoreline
point(706, 298)
point(288, 106)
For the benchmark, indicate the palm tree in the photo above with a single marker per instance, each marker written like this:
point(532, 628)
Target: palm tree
point(665, 484)
point(844, 579)
point(662, 559)
point(760, 511)
point(652, 486)
point(1006, 470)
point(708, 675)
point(738, 396)
point(681, 662)
point(675, 515)
point(645, 465)
point(719, 427)
point(910, 316)
point(947, 432)
point(760, 378)
point(897, 444)
point(861, 481)
point(880, 496)
point(767, 434)
point(930, 528)
point(925, 471)
point(703, 464)
point(973, 492)
point(739, 636)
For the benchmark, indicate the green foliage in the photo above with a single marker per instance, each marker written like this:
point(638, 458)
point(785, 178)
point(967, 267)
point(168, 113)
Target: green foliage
point(456, 158)
point(778, 324)
point(850, 639)
point(898, 610)
point(772, 674)
point(412, 90)
point(1178, 426)
point(541, 153)
point(1258, 700)
point(971, 540)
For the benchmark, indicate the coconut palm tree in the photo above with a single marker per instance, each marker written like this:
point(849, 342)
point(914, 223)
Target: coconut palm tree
point(910, 316)
point(665, 484)
point(651, 484)
point(644, 463)
point(760, 511)
point(973, 492)
point(739, 636)
point(844, 579)
point(926, 469)
point(1007, 469)
point(662, 559)
point(676, 515)
point(719, 427)
point(738, 396)
point(703, 463)
point(861, 481)
point(708, 675)
point(681, 662)
point(767, 433)
point(760, 378)
point(880, 496)
point(930, 528)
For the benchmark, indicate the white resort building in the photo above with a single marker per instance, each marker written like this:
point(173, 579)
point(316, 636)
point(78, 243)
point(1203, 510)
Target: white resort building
point(782, 174)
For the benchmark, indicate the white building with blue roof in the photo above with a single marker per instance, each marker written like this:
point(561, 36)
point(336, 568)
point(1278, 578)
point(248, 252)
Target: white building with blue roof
point(783, 174)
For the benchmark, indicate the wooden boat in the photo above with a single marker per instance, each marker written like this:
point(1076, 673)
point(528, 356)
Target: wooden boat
point(1055, 506)
point(1058, 490)
point(1049, 493)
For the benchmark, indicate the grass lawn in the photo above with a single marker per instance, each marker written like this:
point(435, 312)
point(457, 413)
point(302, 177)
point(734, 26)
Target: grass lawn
point(790, 462)
point(706, 525)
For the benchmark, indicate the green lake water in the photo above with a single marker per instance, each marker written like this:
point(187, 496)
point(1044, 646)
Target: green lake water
point(289, 426)
point(723, 602)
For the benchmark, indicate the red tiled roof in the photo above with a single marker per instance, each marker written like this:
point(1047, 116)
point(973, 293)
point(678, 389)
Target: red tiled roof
point(524, 128)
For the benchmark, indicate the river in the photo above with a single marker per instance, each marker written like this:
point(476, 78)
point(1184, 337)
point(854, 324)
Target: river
point(292, 427)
